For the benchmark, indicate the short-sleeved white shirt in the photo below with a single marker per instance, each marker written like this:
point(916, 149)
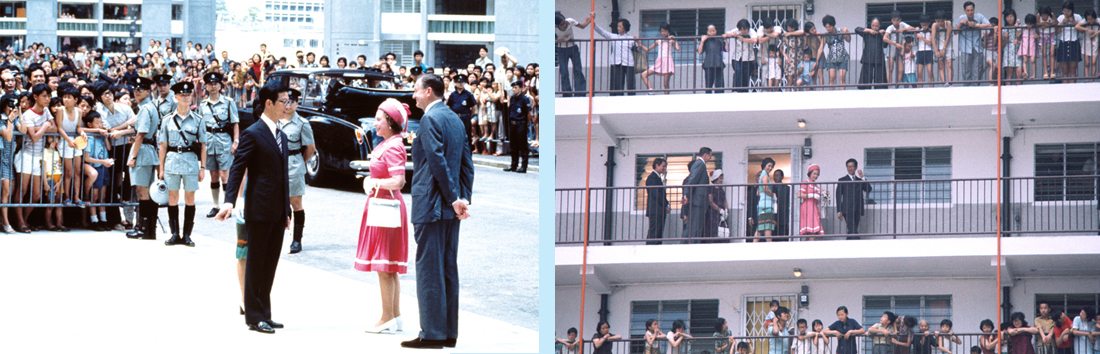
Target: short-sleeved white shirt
point(1069, 34)
point(566, 34)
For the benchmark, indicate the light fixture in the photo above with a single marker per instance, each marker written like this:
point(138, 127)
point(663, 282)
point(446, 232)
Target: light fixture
point(797, 272)
point(801, 123)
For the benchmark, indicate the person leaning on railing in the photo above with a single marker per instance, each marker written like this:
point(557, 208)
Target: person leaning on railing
point(567, 52)
point(622, 57)
point(600, 340)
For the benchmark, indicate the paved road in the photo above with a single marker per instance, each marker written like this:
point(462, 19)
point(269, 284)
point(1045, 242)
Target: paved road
point(498, 248)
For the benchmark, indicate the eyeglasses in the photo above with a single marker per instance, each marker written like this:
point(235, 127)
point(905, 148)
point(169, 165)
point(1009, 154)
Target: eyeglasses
point(285, 102)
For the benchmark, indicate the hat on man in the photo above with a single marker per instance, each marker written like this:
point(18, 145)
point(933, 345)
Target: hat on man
point(415, 70)
point(293, 94)
point(173, 63)
point(183, 87)
point(212, 77)
point(143, 82)
point(517, 83)
point(162, 79)
point(460, 78)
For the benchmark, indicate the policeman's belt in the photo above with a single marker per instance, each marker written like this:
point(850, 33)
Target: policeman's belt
point(149, 142)
point(183, 149)
point(298, 151)
point(218, 129)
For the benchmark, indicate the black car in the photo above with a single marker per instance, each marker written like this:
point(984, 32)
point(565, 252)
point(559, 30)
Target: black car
point(340, 105)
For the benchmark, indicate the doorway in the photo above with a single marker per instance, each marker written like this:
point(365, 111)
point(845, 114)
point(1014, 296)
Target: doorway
point(785, 160)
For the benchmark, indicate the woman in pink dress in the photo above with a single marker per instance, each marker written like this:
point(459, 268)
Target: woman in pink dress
point(809, 221)
point(663, 66)
point(382, 249)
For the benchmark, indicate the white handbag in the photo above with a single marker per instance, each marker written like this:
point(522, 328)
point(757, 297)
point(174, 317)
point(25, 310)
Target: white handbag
point(383, 212)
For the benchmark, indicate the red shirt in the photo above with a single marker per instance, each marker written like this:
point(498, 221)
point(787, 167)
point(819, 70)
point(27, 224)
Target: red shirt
point(1066, 324)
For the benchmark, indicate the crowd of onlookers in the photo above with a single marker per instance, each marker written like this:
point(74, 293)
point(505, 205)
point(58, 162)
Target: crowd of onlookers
point(66, 117)
point(1054, 332)
point(785, 53)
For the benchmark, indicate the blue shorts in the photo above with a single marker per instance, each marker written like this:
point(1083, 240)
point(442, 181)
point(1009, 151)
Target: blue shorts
point(924, 57)
point(909, 77)
point(101, 179)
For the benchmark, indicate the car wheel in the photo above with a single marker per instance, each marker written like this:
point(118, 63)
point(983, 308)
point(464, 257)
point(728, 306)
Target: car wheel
point(315, 172)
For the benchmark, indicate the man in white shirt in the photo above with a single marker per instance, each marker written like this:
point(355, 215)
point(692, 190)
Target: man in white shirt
point(567, 51)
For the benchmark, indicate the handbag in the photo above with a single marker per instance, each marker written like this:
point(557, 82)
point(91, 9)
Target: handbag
point(383, 212)
point(641, 60)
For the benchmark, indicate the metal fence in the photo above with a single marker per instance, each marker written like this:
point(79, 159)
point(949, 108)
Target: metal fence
point(969, 59)
point(892, 209)
point(48, 179)
point(705, 343)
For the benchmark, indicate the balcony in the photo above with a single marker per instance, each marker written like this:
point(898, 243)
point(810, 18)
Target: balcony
point(1031, 206)
point(461, 28)
point(689, 76)
point(13, 24)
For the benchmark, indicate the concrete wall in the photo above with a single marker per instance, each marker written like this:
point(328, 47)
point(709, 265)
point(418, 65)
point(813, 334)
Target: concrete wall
point(42, 22)
point(156, 22)
point(517, 29)
point(201, 22)
point(352, 28)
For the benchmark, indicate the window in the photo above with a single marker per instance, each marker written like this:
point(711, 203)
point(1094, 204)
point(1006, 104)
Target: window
point(121, 12)
point(776, 13)
point(401, 6)
point(674, 176)
point(698, 315)
point(1066, 160)
point(13, 9)
point(313, 43)
point(76, 11)
point(910, 11)
point(931, 308)
point(1071, 304)
point(177, 12)
point(914, 163)
point(757, 309)
point(288, 42)
point(684, 23)
point(403, 49)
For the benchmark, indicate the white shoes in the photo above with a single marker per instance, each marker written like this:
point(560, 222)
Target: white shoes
point(400, 323)
point(389, 327)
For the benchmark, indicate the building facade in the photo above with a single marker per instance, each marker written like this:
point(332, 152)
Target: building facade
point(114, 26)
point(448, 32)
point(931, 154)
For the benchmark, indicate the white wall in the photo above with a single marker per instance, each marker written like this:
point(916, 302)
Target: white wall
point(568, 307)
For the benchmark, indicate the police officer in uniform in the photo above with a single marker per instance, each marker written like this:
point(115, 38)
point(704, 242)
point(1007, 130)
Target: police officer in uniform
point(141, 89)
point(143, 158)
point(220, 119)
point(299, 137)
point(182, 160)
point(461, 101)
point(519, 108)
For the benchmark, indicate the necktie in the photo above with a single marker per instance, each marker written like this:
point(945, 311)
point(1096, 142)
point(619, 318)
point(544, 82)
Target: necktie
point(279, 139)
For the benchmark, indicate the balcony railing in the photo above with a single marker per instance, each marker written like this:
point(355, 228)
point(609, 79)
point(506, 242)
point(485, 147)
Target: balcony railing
point(752, 75)
point(893, 209)
point(705, 342)
point(16, 24)
point(461, 24)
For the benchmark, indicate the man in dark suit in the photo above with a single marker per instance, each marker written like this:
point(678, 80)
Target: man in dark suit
point(262, 152)
point(782, 206)
point(656, 201)
point(697, 177)
point(849, 198)
point(441, 188)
